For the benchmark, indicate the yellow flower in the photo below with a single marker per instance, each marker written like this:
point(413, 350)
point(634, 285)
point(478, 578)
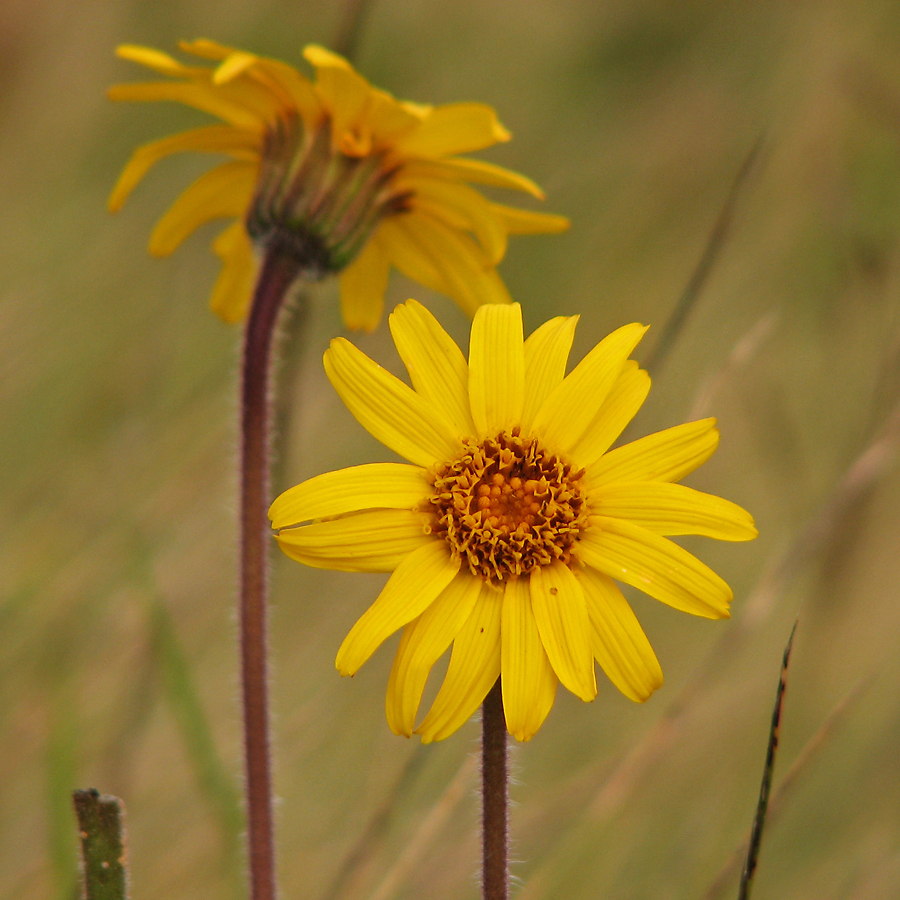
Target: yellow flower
point(506, 532)
point(352, 179)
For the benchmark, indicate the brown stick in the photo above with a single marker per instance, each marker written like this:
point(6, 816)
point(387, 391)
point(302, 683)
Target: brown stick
point(280, 269)
point(494, 780)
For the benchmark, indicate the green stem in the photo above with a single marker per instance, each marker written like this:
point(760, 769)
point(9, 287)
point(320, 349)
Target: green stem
point(495, 797)
point(280, 269)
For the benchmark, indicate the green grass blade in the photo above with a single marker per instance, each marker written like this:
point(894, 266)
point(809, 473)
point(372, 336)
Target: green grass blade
point(717, 239)
point(184, 703)
point(762, 807)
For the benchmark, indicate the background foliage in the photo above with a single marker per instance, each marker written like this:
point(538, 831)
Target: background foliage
point(117, 634)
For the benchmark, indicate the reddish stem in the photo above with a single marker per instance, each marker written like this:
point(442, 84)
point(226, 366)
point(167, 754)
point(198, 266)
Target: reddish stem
point(495, 797)
point(280, 268)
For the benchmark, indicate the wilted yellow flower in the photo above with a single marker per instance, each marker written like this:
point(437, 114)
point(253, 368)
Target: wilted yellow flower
point(506, 532)
point(347, 177)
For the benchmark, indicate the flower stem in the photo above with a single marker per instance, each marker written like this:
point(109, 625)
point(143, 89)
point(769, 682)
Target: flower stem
point(280, 268)
point(494, 780)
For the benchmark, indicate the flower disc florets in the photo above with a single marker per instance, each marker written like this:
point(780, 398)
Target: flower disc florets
point(506, 506)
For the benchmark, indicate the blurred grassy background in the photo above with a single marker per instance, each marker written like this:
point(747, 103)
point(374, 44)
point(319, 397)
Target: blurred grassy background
point(117, 638)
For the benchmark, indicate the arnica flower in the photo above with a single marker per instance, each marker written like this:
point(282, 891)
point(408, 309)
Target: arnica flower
point(506, 532)
point(346, 177)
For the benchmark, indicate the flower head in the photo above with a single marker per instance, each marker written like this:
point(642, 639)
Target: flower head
point(352, 180)
point(506, 532)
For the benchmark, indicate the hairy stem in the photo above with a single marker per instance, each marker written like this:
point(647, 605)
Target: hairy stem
point(280, 268)
point(494, 780)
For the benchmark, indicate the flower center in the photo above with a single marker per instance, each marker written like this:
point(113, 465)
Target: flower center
point(507, 506)
point(322, 201)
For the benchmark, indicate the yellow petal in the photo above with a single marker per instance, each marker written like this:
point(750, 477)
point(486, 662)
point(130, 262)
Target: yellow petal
point(474, 668)
point(321, 57)
point(373, 541)
point(475, 170)
point(233, 65)
point(296, 90)
point(463, 208)
point(386, 119)
point(241, 144)
point(527, 678)
point(619, 408)
point(343, 92)
point(618, 641)
point(546, 353)
point(233, 290)
point(423, 642)
point(496, 368)
point(206, 49)
point(373, 486)
point(674, 509)
point(194, 94)
point(562, 620)
point(363, 284)
point(405, 253)
point(459, 262)
point(524, 221)
point(154, 59)
point(572, 405)
point(654, 565)
point(454, 128)
point(221, 193)
point(413, 587)
point(665, 456)
point(436, 366)
point(388, 409)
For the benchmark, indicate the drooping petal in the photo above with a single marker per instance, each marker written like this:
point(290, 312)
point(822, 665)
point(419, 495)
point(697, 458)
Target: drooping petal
point(406, 254)
point(527, 678)
point(461, 207)
point(571, 407)
point(423, 642)
point(372, 486)
point(233, 289)
point(221, 193)
point(344, 93)
point(372, 541)
point(670, 509)
point(207, 49)
point(454, 128)
point(459, 262)
point(363, 284)
point(413, 587)
point(292, 88)
point(665, 456)
point(156, 60)
point(213, 139)
point(386, 119)
point(194, 94)
point(295, 90)
point(473, 670)
point(618, 641)
point(546, 354)
point(436, 366)
point(619, 408)
point(474, 170)
point(524, 221)
point(562, 620)
point(387, 408)
point(234, 65)
point(654, 565)
point(496, 368)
